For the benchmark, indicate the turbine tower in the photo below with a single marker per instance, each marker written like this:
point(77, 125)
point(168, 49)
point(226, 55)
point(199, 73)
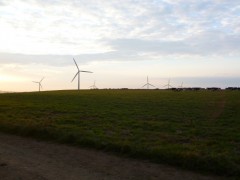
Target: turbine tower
point(148, 84)
point(78, 74)
point(93, 86)
point(39, 84)
point(168, 84)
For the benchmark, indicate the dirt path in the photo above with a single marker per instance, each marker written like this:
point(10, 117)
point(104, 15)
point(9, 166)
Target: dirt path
point(23, 158)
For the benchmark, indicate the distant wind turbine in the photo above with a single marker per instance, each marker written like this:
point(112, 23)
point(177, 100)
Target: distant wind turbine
point(39, 84)
point(93, 86)
point(148, 84)
point(78, 74)
point(181, 85)
point(168, 84)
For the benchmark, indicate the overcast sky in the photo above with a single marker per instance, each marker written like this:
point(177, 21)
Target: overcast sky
point(122, 42)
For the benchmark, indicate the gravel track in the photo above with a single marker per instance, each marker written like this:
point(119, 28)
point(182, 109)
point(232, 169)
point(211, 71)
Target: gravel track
point(29, 159)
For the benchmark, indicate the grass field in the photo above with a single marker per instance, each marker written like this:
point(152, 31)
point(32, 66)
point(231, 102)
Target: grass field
point(193, 130)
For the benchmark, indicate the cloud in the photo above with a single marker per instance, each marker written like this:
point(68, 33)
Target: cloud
point(54, 60)
point(52, 32)
point(65, 60)
point(205, 43)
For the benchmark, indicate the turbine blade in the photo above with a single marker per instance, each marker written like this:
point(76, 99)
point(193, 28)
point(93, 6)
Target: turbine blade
point(76, 64)
point(144, 85)
point(151, 85)
point(86, 71)
point(75, 76)
point(42, 79)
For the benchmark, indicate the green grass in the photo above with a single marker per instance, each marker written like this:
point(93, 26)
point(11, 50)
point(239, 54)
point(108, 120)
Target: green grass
point(193, 130)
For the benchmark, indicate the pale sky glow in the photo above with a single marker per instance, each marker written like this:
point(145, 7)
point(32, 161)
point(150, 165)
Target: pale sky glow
point(122, 42)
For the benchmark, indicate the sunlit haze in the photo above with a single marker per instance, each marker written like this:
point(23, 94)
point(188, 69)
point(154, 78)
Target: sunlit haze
point(122, 42)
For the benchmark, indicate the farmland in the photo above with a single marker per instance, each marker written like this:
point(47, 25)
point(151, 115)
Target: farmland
point(193, 130)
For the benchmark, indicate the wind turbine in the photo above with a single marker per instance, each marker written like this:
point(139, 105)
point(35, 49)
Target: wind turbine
point(168, 84)
point(78, 74)
point(181, 85)
point(93, 86)
point(148, 84)
point(39, 84)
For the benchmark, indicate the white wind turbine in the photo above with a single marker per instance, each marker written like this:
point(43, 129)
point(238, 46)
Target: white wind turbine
point(78, 74)
point(181, 85)
point(93, 86)
point(148, 84)
point(168, 84)
point(39, 84)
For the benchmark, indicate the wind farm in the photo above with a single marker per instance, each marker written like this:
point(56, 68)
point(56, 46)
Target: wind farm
point(166, 121)
point(156, 124)
point(144, 89)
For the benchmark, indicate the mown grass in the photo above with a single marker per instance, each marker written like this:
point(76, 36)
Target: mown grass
point(194, 130)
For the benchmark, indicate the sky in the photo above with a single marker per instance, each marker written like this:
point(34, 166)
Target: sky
point(121, 42)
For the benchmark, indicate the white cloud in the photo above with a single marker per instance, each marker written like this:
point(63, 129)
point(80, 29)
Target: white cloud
point(80, 27)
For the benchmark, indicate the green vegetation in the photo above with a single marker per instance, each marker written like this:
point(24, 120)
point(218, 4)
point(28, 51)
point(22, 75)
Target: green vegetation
point(194, 130)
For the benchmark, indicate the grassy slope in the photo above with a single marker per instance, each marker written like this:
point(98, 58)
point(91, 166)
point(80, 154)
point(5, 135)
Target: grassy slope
point(196, 130)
